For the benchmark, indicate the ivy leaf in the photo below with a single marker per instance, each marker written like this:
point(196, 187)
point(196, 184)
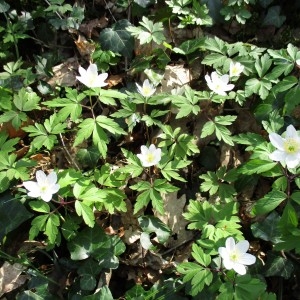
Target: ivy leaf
point(273, 17)
point(118, 38)
point(93, 242)
point(278, 266)
point(267, 229)
point(248, 288)
point(150, 224)
point(12, 214)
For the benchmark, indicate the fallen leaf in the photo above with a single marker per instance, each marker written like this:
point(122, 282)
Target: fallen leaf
point(174, 219)
point(11, 278)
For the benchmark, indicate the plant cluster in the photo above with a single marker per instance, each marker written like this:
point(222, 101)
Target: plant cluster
point(76, 156)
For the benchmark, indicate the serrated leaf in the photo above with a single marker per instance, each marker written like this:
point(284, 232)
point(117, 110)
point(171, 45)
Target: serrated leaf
point(86, 212)
point(269, 202)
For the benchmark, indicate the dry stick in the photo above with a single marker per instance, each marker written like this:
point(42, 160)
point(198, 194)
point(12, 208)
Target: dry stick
point(72, 161)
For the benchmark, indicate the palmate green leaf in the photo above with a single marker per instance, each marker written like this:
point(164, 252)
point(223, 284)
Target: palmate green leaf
point(51, 229)
point(260, 87)
point(256, 166)
point(198, 214)
point(267, 229)
point(95, 128)
point(37, 224)
point(15, 117)
point(148, 31)
point(215, 45)
point(157, 201)
point(171, 168)
point(133, 167)
point(142, 201)
point(112, 200)
point(86, 212)
point(40, 206)
point(26, 100)
point(189, 46)
point(187, 104)
point(71, 105)
point(7, 146)
point(216, 60)
point(269, 202)
point(199, 255)
point(118, 38)
point(197, 275)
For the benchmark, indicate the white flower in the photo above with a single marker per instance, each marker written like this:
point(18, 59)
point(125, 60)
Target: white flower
point(288, 147)
point(235, 69)
point(298, 62)
point(90, 77)
point(219, 84)
point(147, 89)
point(149, 157)
point(235, 257)
point(45, 186)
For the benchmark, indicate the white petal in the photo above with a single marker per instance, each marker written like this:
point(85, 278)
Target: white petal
point(55, 188)
point(224, 78)
point(46, 196)
point(31, 185)
point(41, 177)
point(52, 178)
point(152, 148)
point(223, 252)
point(228, 264)
point(228, 87)
point(208, 80)
point(81, 71)
point(239, 268)
point(230, 244)
point(92, 70)
point(247, 259)
point(292, 160)
point(140, 89)
point(278, 155)
point(277, 141)
point(242, 246)
point(144, 150)
point(34, 194)
point(291, 132)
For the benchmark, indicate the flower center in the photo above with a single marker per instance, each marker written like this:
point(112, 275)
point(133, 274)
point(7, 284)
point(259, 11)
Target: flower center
point(149, 157)
point(291, 146)
point(234, 256)
point(146, 91)
point(234, 71)
point(43, 188)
